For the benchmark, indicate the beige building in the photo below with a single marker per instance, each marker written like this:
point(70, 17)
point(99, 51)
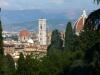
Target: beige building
point(37, 50)
point(9, 49)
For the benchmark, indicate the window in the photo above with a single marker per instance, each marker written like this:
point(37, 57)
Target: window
point(41, 27)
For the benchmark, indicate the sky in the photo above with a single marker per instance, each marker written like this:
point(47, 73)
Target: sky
point(60, 5)
point(70, 8)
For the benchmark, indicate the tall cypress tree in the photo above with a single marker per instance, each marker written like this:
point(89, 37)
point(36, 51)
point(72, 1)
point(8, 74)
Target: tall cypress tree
point(1, 49)
point(56, 42)
point(68, 37)
point(1, 38)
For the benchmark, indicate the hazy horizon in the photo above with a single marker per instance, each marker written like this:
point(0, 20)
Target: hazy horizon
point(15, 12)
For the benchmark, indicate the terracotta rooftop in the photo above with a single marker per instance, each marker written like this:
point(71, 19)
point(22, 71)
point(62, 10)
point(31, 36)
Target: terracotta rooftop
point(79, 25)
point(24, 32)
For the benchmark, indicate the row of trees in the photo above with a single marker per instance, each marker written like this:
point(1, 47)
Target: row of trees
point(76, 55)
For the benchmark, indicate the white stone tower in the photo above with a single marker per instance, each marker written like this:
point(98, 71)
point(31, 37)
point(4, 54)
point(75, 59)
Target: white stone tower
point(42, 32)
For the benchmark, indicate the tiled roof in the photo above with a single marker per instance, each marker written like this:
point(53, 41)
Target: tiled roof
point(79, 25)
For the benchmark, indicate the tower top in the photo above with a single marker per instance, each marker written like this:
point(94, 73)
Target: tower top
point(84, 14)
point(42, 19)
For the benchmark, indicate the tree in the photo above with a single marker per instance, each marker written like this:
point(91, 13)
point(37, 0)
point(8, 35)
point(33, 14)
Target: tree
point(92, 53)
point(68, 37)
point(56, 42)
point(91, 34)
point(1, 49)
point(92, 58)
point(97, 1)
point(21, 65)
point(10, 64)
point(1, 38)
point(32, 65)
point(29, 64)
point(52, 65)
point(92, 22)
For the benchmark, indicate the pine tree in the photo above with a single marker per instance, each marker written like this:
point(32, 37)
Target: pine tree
point(68, 37)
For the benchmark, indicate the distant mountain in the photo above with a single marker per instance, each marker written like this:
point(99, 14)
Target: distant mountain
point(15, 20)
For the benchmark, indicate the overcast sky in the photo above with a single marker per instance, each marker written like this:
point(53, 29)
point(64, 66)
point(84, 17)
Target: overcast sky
point(48, 4)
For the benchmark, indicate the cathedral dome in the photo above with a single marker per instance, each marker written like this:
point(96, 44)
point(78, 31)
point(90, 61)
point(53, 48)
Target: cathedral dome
point(24, 33)
point(80, 23)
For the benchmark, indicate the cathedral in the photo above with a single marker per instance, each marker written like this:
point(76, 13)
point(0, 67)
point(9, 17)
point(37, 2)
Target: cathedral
point(79, 25)
point(40, 38)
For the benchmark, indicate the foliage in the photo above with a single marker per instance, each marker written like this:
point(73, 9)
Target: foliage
point(97, 1)
point(69, 37)
point(8, 65)
point(21, 65)
point(1, 38)
point(56, 42)
point(93, 21)
point(33, 64)
point(11, 65)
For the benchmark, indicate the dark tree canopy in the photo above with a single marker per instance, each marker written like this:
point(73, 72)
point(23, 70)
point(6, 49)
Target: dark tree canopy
point(97, 1)
point(93, 21)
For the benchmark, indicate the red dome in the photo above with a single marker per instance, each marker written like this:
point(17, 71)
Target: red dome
point(24, 33)
point(79, 25)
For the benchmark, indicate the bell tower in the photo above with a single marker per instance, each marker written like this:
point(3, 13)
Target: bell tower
point(42, 32)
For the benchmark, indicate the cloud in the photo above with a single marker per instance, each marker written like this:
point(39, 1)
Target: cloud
point(3, 3)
